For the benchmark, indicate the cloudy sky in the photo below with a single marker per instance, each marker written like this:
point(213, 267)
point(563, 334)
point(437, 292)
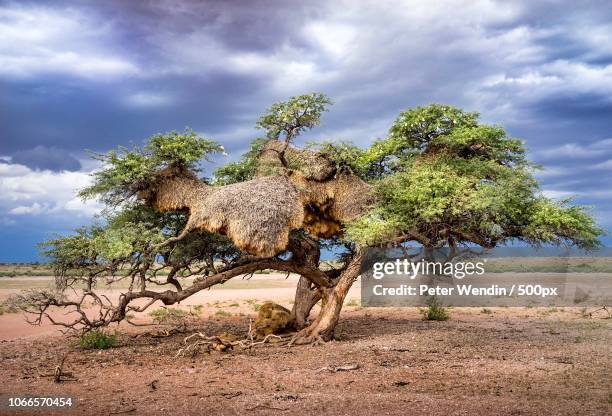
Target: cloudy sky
point(93, 75)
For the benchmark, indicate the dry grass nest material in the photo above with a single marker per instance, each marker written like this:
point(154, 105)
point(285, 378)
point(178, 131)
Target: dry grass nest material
point(258, 215)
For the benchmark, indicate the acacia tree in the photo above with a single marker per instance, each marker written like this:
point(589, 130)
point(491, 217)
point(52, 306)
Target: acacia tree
point(441, 178)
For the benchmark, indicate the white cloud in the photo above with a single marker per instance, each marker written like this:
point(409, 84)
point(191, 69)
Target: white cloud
point(552, 172)
point(596, 39)
point(34, 209)
point(12, 170)
point(37, 40)
point(605, 144)
point(556, 194)
point(337, 40)
point(574, 156)
point(560, 76)
point(607, 165)
point(568, 151)
point(147, 99)
point(34, 192)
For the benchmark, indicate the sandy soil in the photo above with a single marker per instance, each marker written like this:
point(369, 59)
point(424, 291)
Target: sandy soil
point(513, 361)
point(237, 296)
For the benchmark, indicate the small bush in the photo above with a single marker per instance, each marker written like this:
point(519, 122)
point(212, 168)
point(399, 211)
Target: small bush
point(435, 312)
point(4, 308)
point(196, 310)
point(97, 340)
point(167, 315)
point(486, 311)
point(221, 312)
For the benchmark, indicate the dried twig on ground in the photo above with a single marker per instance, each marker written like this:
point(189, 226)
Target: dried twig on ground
point(224, 343)
point(603, 308)
point(335, 369)
point(119, 412)
point(59, 375)
point(265, 406)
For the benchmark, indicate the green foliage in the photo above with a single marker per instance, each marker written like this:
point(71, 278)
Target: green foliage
point(435, 312)
point(414, 129)
point(344, 154)
point(121, 243)
point(373, 227)
point(124, 236)
point(560, 223)
point(196, 310)
point(452, 180)
point(97, 340)
point(242, 170)
point(75, 252)
point(125, 171)
point(223, 313)
point(479, 142)
point(285, 120)
point(7, 308)
point(167, 315)
point(440, 177)
point(127, 243)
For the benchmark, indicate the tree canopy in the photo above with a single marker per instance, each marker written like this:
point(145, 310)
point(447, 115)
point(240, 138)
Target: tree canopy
point(125, 171)
point(443, 178)
point(285, 120)
point(440, 178)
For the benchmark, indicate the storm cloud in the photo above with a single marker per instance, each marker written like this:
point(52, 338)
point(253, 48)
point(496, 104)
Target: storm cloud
point(42, 157)
point(94, 75)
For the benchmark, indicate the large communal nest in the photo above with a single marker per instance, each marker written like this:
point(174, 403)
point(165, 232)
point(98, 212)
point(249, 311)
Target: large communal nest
point(278, 157)
point(293, 189)
point(330, 197)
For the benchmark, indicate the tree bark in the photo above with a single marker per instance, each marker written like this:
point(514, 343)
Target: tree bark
point(306, 297)
point(322, 328)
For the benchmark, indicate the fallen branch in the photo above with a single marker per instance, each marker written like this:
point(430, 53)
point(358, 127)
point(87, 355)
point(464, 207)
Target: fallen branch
point(222, 344)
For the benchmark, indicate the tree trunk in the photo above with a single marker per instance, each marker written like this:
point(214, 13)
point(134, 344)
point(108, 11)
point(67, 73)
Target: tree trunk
point(322, 328)
point(306, 296)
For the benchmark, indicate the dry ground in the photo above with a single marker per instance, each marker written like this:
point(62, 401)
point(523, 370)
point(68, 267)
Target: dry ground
point(512, 361)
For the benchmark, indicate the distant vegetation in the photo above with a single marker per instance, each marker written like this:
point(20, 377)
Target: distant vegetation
point(494, 265)
point(168, 315)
